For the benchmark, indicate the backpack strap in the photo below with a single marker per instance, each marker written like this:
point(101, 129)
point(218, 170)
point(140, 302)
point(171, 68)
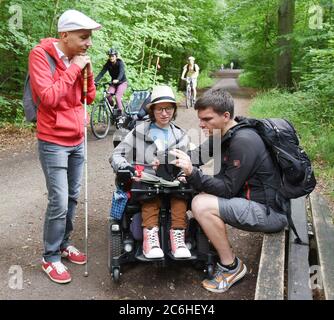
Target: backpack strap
point(286, 207)
point(195, 68)
point(52, 65)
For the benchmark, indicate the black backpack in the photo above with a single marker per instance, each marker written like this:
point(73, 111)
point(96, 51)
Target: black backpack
point(280, 138)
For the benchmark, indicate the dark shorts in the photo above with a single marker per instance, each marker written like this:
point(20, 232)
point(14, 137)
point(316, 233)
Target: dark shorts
point(250, 216)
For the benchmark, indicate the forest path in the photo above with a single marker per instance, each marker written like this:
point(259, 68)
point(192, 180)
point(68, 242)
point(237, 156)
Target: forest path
point(22, 207)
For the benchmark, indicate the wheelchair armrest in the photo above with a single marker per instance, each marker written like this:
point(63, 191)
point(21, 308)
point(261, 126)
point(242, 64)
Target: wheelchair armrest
point(179, 190)
point(123, 177)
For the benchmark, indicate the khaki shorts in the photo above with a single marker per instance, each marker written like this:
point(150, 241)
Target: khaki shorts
point(250, 216)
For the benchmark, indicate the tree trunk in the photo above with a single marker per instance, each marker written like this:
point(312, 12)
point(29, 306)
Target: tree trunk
point(150, 55)
point(286, 13)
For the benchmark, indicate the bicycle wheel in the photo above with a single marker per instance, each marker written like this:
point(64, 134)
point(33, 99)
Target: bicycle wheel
point(189, 97)
point(100, 120)
point(193, 101)
point(192, 96)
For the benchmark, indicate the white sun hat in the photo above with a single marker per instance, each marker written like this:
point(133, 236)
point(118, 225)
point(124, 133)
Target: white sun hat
point(72, 20)
point(162, 94)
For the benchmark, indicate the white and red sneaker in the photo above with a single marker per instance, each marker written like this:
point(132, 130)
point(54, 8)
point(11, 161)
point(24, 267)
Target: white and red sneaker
point(56, 271)
point(151, 244)
point(178, 247)
point(74, 255)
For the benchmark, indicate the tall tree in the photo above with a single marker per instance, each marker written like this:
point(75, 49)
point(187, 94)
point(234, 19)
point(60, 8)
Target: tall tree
point(286, 12)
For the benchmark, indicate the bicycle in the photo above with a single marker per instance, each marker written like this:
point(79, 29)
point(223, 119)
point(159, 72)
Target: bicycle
point(190, 100)
point(104, 114)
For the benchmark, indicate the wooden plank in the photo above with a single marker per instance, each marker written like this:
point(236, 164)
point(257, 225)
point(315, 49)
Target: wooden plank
point(270, 279)
point(298, 264)
point(324, 233)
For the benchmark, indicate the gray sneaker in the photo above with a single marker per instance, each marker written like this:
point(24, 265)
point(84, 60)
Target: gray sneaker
point(223, 278)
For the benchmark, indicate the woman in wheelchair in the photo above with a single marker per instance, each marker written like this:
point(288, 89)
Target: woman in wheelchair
point(145, 144)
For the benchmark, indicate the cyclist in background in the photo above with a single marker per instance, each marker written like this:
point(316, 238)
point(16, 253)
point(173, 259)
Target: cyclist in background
point(191, 70)
point(116, 68)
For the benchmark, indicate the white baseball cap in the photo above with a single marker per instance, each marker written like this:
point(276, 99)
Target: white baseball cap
point(72, 20)
point(161, 94)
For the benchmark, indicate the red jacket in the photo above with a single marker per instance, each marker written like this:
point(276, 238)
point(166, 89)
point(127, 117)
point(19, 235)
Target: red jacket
point(60, 115)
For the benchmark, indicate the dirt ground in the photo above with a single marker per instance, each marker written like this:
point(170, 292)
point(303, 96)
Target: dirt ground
point(22, 207)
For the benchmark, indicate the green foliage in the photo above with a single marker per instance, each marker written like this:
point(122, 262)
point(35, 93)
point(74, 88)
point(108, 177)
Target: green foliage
point(143, 31)
point(250, 39)
point(320, 75)
point(315, 128)
point(249, 79)
point(11, 110)
point(204, 80)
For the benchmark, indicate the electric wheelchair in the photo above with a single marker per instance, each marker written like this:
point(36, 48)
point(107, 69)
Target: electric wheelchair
point(125, 232)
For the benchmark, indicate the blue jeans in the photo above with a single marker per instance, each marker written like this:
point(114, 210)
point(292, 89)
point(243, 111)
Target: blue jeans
point(63, 168)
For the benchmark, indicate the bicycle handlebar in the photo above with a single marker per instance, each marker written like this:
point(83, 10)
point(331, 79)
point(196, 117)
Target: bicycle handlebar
point(104, 84)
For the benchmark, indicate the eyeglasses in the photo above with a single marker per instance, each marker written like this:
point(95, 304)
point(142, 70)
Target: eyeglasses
point(167, 109)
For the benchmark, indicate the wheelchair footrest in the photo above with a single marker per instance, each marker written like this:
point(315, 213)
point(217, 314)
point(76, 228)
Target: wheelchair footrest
point(142, 258)
point(193, 257)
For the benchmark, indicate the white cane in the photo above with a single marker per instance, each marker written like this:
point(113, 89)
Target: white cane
point(86, 170)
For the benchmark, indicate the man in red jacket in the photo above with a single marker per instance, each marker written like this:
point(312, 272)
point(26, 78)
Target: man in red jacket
point(60, 132)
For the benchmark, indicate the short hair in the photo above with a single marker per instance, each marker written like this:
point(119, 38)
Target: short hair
point(151, 112)
point(218, 99)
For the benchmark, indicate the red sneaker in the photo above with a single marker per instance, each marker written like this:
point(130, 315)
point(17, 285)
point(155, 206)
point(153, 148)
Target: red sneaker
point(151, 244)
point(74, 255)
point(179, 248)
point(56, 271)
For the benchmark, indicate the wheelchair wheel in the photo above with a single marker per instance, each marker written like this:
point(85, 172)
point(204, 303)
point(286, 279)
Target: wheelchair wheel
point(116, 274)
point(116, 244)
point(210, 270)
point(202, 242)
point(100, 120)
point(114, 249)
